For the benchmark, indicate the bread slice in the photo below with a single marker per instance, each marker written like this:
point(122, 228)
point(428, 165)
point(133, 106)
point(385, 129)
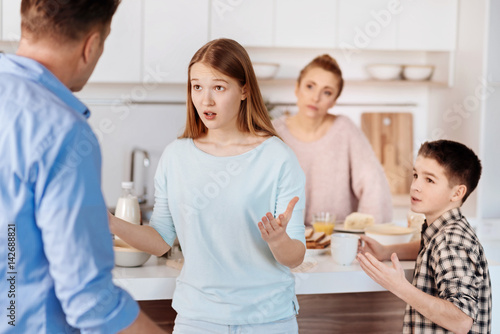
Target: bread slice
point(325, 241)
point(309, 232)
point(317, 236)
point(317, 240)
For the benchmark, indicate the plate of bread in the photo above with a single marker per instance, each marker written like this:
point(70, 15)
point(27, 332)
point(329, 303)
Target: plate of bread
point(317, 242)
point(356, 222)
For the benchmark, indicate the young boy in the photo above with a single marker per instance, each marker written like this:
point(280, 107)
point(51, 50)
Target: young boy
point(451, 290)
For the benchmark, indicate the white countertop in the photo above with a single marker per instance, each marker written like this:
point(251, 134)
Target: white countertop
point(155, 280)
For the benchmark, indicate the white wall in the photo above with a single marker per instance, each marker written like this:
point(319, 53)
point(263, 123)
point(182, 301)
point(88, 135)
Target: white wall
point(489, 194)
point(455, 113)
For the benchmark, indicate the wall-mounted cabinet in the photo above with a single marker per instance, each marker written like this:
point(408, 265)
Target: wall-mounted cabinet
point(428, 25)
point(122, 57)
point(398, 25)
point(10, 23)
point(277, 23)
point(310, 24)
point(367, 24)
point(248, 22)
point(359, 24)
point(152, 41)
point(171, 39)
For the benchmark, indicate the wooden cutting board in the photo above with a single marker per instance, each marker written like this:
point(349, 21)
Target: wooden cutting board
point(391, 136)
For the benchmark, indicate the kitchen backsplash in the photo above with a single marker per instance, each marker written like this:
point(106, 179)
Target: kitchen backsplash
point(121, 128)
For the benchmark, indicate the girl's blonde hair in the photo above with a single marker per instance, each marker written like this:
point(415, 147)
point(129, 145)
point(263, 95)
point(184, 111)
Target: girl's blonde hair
point(328, 64)
point(230, 58)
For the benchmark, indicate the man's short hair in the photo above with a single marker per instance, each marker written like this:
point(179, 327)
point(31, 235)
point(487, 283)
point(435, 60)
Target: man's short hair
point(460, 163)
point(65, 20)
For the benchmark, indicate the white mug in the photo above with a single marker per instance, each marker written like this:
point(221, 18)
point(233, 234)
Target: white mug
point(344, 248)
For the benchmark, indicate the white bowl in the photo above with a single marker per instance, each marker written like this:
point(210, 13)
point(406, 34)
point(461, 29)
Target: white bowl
point(127, 256)
point(384, 71)
point(418, 72)
point(389, 234)
point(265, 71)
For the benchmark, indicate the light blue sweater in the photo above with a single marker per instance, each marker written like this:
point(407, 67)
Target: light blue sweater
point(213, 205)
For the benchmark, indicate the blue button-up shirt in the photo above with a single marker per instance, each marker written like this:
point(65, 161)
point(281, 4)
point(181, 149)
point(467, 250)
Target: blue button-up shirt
point(56, 252)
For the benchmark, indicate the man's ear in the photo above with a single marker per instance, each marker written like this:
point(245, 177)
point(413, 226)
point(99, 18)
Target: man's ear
point(91, 46)
point(459, 192)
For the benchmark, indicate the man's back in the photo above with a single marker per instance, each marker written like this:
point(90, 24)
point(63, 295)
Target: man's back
point(53, 213)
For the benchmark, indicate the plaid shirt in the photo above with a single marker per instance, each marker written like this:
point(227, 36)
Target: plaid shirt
point(452, 266)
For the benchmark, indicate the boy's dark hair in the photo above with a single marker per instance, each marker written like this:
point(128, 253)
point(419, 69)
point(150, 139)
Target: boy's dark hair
point(65, 20)
point(460, 163)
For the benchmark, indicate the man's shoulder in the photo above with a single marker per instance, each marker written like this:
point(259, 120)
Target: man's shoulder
point(35, 101)
point(36, 117)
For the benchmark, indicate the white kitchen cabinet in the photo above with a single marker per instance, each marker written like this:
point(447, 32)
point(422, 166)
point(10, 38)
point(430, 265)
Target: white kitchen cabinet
point(368, 24)
point(173, 32)
point(122, 57)
point(10, 20)
point(302, 23)
point(428, 25)
point(250, 23)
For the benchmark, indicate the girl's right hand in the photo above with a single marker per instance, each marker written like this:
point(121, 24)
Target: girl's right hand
point(369, 245)
point(111, 222)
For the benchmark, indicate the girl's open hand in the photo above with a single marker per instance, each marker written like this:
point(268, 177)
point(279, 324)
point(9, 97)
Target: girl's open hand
point(274, 229)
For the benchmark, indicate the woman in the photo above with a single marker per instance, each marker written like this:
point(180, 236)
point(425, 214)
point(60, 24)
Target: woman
point(343, 174)
point(212, 186)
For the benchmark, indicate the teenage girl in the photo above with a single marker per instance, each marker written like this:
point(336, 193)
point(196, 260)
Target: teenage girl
point(212, 187)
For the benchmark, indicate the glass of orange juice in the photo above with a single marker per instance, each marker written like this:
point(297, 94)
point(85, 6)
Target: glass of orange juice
point(323, 222)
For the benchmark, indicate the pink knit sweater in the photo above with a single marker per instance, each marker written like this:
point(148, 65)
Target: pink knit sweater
point(343, 175)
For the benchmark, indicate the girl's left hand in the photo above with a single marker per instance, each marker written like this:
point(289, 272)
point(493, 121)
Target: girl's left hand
point(274, 229)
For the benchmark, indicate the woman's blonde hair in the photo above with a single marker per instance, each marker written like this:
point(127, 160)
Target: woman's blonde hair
point(328, 64)
point(230, 58)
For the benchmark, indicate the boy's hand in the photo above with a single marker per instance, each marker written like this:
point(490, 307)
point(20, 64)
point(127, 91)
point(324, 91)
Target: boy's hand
point(273, 229)
point(392, 278)
point(369, 245)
